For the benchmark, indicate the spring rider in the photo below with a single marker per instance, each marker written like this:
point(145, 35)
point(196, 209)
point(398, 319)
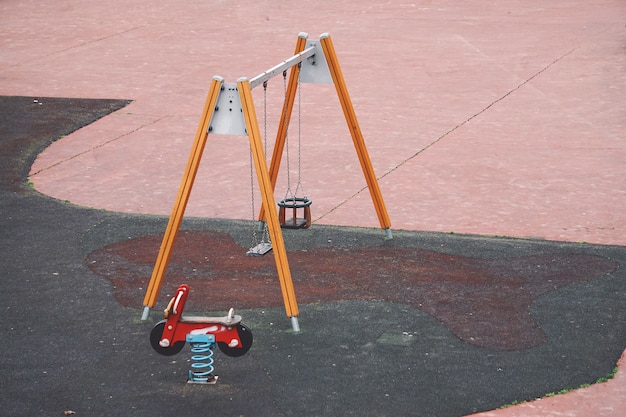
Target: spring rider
point(168, 337)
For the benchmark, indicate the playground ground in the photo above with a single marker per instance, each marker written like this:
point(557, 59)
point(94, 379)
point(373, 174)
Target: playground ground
point(497, 133)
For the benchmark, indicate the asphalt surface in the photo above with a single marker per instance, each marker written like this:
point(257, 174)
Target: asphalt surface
point(73, 339)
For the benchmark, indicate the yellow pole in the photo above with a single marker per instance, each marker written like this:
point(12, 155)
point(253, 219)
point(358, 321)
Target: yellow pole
point(267, 196)
point(355, 131)
point(182, 198)
point(285, 118)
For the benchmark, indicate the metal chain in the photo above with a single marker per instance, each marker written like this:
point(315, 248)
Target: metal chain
point(255, 239)
point(266, 236)
point(254, 236)
point(288, 193)
point(299, 186)
point(265, 119)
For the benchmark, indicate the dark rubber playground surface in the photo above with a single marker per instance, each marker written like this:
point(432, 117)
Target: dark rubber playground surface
point(426, 324)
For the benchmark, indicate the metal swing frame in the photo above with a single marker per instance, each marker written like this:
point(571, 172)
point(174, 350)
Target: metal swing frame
point(229, 109)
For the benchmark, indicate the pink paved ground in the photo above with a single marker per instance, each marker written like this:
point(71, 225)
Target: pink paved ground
point(503, 118)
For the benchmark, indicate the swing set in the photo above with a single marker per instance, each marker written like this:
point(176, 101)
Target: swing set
point(229, 110)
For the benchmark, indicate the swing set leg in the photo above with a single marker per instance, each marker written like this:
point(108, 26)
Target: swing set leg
point(173, 225)
point(267, 196)
point(355, 132)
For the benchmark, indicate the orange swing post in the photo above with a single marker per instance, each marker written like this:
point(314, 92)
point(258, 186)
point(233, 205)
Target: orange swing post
point(189, 176)
point(355, 132)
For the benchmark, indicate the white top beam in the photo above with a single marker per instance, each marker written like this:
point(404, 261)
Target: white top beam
point(283, 66)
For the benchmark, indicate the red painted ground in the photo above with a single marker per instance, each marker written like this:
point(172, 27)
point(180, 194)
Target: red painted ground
point(483, 302)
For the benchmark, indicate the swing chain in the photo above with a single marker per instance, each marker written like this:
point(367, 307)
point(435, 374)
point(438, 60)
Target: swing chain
point(299, 185)
point(259, 248)
point(255, 239)
point(265, 117)
point(288, 193)
point(266, 234)
point(254, 235)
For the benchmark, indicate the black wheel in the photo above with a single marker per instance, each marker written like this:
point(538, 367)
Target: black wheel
point(155, 338)
point(245, 335)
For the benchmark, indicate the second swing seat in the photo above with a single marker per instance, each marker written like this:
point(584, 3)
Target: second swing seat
point(295, 203)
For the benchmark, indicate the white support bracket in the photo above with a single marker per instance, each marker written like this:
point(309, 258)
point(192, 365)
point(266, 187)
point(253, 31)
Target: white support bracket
point(227, 116)
point(228, 119)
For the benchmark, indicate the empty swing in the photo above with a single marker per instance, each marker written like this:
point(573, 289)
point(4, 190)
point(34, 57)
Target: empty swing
point(291, 201)
point(259, 248)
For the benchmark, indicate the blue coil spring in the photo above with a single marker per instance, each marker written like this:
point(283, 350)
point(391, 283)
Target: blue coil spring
point(202, 358)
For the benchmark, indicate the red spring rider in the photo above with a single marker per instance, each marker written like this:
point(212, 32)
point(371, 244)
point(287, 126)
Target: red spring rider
point(168, 337)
